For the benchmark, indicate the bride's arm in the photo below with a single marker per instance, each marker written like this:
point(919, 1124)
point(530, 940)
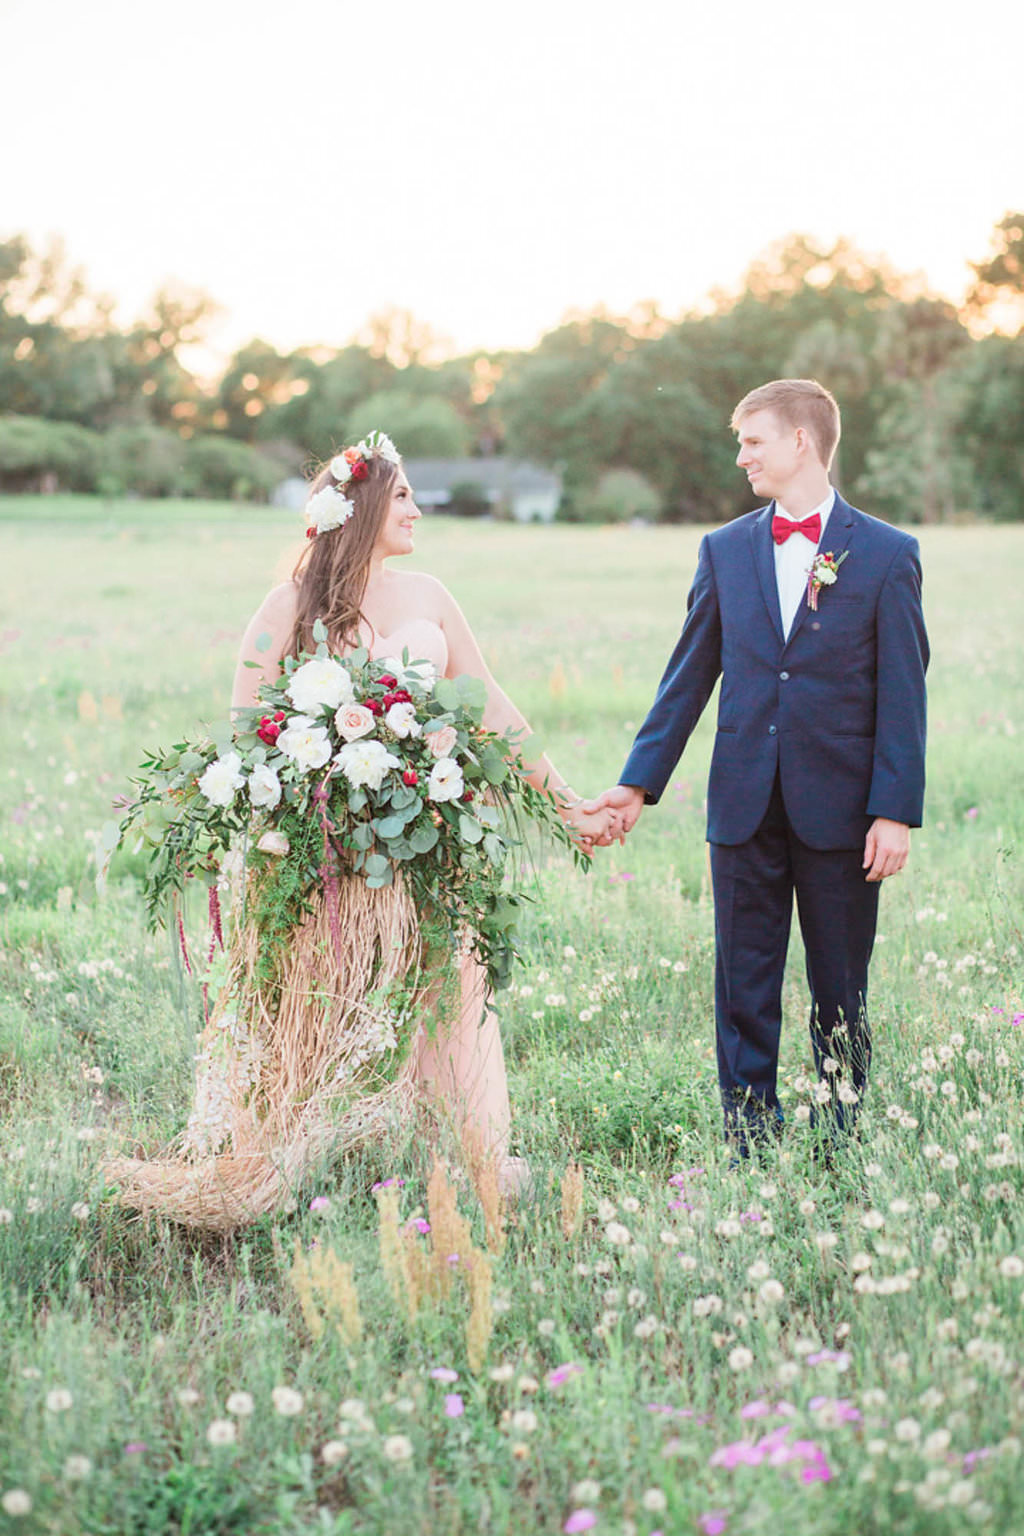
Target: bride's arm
point(502, 716)
point(275, 617)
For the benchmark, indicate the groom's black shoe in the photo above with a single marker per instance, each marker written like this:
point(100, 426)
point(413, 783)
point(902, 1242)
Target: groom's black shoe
point(752, 1128)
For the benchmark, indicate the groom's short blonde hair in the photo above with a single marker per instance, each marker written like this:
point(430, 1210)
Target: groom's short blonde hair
point(799, 403)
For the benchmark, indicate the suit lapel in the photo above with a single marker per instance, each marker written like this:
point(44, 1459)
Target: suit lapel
point(834, 541)
point(764, 560)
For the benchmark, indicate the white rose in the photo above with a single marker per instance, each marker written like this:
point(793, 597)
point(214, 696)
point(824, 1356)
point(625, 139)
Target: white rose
point(320, 683)
point(275, 843)
point(264, 787)
point(379, 442)
point(401, 718)
point(308, 746)
point(328, 510)
point(825, 574)
point(446, 782)
point(441, 741)
point(365, 762)
point(341, 469)
point(422, 673)
point(353, 721)
point(222, 779)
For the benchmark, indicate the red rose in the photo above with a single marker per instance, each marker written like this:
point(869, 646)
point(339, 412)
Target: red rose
point(468, 796)
point(401, 696)
point(359, 469)
point(279, 715)
point(388, 681)
point(268, 732)
point(410, 777)
point(374, 706)
point(389, 699)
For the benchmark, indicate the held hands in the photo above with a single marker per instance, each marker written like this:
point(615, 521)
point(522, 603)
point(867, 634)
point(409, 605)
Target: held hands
point(886, 848)
point(622, 805)
point(589, 826)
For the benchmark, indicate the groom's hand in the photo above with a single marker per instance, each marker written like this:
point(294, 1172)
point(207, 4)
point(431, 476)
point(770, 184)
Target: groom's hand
point(626, 801)
point(886, 848)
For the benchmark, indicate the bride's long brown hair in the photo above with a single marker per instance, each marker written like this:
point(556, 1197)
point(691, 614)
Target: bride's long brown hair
point(333, 569)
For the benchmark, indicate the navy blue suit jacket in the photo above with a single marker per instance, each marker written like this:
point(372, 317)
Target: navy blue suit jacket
point(837, 709)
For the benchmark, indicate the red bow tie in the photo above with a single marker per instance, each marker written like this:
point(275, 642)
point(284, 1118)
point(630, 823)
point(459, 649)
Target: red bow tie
point(782, 527)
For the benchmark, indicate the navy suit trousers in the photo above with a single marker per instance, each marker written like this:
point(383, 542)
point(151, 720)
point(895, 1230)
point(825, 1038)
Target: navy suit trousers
point(754, 884)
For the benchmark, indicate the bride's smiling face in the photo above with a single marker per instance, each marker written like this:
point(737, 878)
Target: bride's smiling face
point(396, 537)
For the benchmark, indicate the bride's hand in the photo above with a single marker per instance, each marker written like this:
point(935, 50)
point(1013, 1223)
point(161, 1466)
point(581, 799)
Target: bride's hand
point(590, 828)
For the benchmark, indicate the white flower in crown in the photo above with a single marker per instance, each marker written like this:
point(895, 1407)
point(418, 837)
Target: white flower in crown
point(341, 469)
point(381, 444)
point(328, 510)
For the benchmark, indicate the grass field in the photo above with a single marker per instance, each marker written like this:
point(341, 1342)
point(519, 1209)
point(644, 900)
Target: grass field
point(710, 1351)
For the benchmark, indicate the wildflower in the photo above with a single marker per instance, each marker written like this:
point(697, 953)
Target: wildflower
point(59, 1400)
point(454, 1407)
point(1011, 1267)
point(320, 1203)
point(630, 1205)
point(772, 1292)
point(587, 1491)
point(872, 1220)
point(76, 1468)
point(222, 1432)
point(287, 1401)
point(560, 1374)
point(136, 1448)
point(579, 1520)
point(6, 1216)
point(606, 1211)
point(16, 1502)
point(333, 1452)
point(907, 1430)
point(740, 1358)
point(397, 1448)
point(616, 1233)
point(445, 1374)
point(503, 1373)
point(654, 1500)
point(713, 1523)
point(524, 1421)
point(546, 1327)
point(240, 1405)
point(187, 1397)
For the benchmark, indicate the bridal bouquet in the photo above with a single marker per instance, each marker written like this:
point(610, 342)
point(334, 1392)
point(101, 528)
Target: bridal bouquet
point(347, 767)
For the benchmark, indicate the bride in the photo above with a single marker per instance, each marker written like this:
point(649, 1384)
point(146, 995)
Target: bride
point(232, 1163)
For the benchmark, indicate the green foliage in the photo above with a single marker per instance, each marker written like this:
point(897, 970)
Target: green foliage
point(424, 426)
point(35, 454)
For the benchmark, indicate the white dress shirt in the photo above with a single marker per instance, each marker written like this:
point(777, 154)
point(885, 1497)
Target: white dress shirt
point(793, 561)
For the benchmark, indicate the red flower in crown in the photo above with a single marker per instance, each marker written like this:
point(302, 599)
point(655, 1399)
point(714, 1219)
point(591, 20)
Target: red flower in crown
point(352, 455)
point(359, 469)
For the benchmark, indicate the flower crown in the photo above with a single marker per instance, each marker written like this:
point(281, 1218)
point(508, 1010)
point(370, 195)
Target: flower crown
point(330, 508)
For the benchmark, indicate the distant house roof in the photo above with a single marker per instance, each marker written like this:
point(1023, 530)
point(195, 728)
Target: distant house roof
point(499, 476)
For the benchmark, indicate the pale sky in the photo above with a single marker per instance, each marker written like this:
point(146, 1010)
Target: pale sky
point(490, 166)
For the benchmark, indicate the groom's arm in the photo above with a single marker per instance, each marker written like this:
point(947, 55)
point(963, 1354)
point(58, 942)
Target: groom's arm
point(897, 778)
point(684, 689)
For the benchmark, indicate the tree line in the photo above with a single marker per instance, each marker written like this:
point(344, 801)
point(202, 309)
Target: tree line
point(633, 411)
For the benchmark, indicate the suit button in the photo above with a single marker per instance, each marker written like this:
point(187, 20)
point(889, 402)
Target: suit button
point(784, 677)
point(772, 730)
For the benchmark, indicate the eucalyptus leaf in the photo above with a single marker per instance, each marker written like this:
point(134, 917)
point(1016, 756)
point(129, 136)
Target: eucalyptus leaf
point(446, 693)
point(495, 848)
point(424, 838)
point(470, 829)
point(472, 691)
point(377, 865)
point(390, 826)
point(188, 762)
point(361, 835)
point(357, 800)
point(378, 882)
point(319, 632)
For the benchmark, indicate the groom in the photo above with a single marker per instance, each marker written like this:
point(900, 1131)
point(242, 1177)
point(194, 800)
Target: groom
point(810, 611)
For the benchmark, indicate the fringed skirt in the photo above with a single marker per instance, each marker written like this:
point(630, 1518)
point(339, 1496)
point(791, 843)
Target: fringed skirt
point(314, 1061)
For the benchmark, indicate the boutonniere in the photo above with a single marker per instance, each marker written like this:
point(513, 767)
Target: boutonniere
point(823, 573)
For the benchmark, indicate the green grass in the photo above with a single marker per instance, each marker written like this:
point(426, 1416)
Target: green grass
point(118, 631)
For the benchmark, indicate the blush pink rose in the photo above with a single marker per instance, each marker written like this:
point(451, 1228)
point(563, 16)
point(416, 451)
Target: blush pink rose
point(353, 721)
point(441, 742)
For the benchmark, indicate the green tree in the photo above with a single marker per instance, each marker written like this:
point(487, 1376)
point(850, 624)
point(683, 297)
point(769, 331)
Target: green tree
point(421, 426)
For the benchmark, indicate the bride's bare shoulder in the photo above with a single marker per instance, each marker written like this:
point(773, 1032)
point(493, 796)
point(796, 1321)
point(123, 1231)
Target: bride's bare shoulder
point(421, 588)
point(281, 601)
